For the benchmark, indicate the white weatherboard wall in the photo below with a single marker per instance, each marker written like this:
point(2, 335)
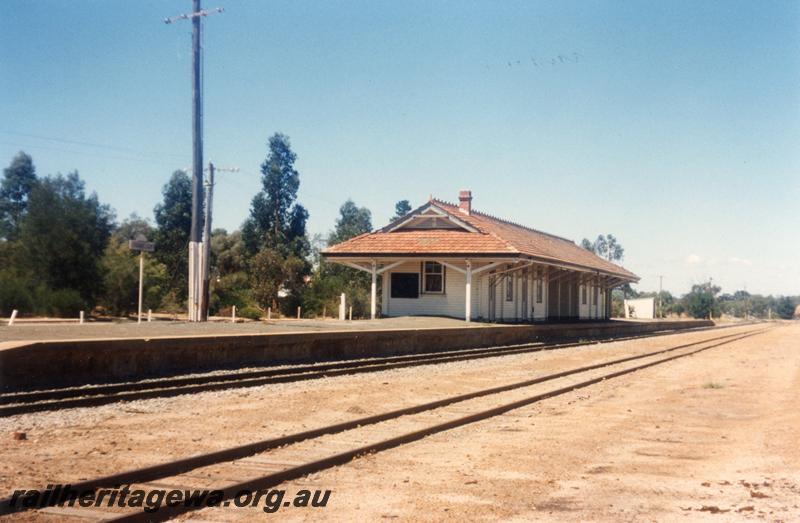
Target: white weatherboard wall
point(509, 310)
point(539, 309)
point(590, 309)
point(602, 304)
point(451, 303)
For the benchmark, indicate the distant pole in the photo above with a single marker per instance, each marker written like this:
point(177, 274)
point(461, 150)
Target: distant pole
point(141, 284)
point(233, 314)
point(205, 290)
point(13, 317)
point(660, 303)
point(206, 250)
point(81, 318)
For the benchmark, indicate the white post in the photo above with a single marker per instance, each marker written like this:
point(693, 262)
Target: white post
point(194, 272)
point(81, 316)
point(298, 312)
point(269, 313)
point(373, 291)
point(351, 313)
point(14, 316)
point(341, 307)
point(149, 315)
point(233, 314)
point(141, 281)
point(468, 299)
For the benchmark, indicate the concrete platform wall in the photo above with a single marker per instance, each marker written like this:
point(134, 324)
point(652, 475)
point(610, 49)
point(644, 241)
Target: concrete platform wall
point(77, 362)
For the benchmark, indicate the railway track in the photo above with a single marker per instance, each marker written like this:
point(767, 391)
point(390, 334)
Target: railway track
point(91, 396)
point(268, 463)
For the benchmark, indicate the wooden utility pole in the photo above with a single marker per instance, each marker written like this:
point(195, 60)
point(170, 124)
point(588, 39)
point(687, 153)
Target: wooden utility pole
point(206, 245)
point(204, 294)
point(197, 167)
point(195, 247)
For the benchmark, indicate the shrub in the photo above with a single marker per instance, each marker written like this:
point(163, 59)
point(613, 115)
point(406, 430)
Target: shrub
point(172, 304)
point(14, 294)
point(250, 313)
point(231, 289)
point(66, 303)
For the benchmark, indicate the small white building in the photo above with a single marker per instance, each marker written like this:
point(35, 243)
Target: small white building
point(640, 308)
point(443, 259)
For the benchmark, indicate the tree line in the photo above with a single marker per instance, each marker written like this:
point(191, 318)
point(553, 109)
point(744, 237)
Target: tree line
point(63, 251)
point(705, 300)
point(702, 301)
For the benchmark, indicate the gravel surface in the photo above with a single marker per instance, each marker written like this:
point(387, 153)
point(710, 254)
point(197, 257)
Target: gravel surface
point(130, 329)
point(525, 464)
point(712, 437)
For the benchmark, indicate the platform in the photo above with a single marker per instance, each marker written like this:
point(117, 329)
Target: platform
point(49, 356)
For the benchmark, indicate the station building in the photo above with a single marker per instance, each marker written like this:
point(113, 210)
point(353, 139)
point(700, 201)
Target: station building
point(443, 259)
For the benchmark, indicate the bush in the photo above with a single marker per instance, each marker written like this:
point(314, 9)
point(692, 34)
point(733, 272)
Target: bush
point(66, 303)
point(231, 289)
point(250, 313)
point(172, 304)
point(14, 294)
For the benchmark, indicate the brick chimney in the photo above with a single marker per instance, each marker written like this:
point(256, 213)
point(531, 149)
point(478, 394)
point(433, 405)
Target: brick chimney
point(465, 202)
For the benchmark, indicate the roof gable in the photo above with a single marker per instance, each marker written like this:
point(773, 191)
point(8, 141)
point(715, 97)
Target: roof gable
point(428, 216)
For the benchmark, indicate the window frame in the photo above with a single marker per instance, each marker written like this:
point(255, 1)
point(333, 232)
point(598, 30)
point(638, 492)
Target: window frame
point(539, 290)
point(584, 292)
point(392, 285)
point(424, 279)
point(510, 287)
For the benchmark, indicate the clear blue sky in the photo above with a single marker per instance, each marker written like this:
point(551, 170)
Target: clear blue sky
point(673, 125)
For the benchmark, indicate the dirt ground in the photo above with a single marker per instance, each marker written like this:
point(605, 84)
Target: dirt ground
point(710, 437)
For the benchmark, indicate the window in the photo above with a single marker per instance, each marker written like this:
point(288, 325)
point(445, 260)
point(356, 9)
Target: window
point(583, 294)
point(539, 285)
point(433, 278)
point(405, 285)
point(510, 288)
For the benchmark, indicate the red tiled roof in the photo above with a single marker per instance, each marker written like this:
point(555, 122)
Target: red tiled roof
point(423, 241)
point(493, 236)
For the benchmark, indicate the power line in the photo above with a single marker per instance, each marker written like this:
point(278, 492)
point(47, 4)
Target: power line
point(33, 147)
point(91, 144)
